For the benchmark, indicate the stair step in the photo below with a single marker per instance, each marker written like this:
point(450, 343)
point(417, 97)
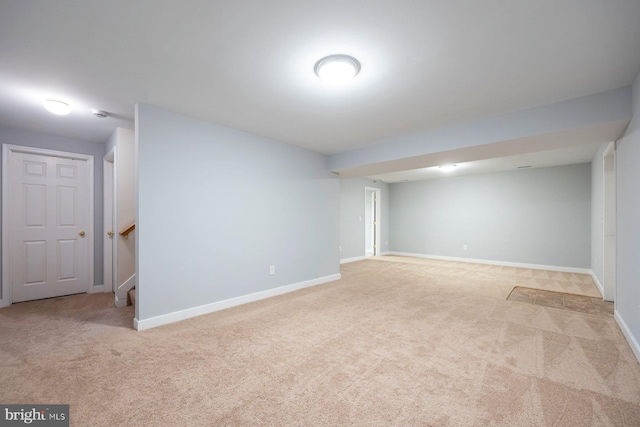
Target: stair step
point(131, 297)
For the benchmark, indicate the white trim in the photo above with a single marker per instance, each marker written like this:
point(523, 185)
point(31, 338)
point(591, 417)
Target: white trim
point(109, 171)
point(378, 193)
point(385, 253)
point(502, 263)
point(354, 259)
point(6, 265)
point(176, 316)
point(627, 334)
point(597, 282)
point(7, 150)
point(97, 289)
point(2, 303)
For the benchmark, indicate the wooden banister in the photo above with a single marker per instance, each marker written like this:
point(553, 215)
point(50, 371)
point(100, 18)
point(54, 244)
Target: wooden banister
point(125, 233)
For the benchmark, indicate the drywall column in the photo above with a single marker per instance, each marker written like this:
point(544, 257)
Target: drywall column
point(628, 227)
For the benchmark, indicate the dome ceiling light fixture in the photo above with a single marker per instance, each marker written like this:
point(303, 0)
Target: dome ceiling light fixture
point(337, 69)
point(57, 107)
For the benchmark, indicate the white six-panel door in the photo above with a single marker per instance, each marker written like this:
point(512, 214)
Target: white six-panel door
point(49, 245)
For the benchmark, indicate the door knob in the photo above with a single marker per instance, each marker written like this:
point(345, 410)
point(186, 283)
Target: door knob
point(81, 234)
point(110, 233)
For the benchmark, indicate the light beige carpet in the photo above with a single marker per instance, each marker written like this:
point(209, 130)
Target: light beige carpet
point(396, 342)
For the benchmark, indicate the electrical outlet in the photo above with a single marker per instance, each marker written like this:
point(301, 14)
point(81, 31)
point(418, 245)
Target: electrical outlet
point(464, 247)
point(272, 270)
point(339, 248)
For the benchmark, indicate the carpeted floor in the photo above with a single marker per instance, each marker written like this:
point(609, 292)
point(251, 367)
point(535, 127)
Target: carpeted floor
point(396, 342)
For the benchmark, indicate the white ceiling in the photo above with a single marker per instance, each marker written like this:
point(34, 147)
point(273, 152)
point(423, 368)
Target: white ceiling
point(248, 64)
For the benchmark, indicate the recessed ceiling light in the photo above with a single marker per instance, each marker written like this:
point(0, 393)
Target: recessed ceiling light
point(447, 168)
point(337, 69)
point(57, 107)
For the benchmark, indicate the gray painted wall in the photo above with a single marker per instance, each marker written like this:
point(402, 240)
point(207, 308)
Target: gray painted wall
point(534, 216)
point(217, 207)
point(352, 207)
point(39, 140)
point(628, 221)
point(597, 214)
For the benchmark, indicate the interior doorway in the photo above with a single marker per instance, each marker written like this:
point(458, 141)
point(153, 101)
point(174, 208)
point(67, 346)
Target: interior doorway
point(109, 215)
point(609, 184)
point(372, 221)
point(47, 228)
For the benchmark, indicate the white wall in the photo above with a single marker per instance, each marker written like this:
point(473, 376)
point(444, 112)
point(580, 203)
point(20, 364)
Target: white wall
point(124, 142)
point(628, 226)
point(217, 207)
point(40, 140)
point(533, 216)
point(352, 208)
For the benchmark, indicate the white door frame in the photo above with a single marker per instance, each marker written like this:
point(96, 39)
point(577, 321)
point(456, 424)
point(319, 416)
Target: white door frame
point(609, 223)
point(7, 151)
point(110, 220)
point(377, 192)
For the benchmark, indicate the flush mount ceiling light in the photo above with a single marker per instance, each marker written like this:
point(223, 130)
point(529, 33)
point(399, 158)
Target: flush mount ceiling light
point(57, 107)
point(337, 69)
point(447, 168)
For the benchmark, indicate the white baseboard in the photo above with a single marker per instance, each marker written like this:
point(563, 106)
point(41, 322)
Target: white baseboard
point(597, 282)
point(360, 258)
point(354, 259)
point(165, 319)
point(2, 303)
point(633, 343)
point(502, 263)
point(96, 289)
